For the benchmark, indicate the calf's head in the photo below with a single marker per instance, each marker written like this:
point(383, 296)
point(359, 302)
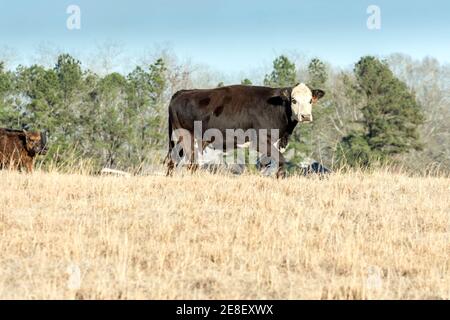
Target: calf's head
point(36, 142)
point(302, 100)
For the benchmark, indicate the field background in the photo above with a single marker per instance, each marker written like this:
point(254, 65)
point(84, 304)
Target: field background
point(350, 236)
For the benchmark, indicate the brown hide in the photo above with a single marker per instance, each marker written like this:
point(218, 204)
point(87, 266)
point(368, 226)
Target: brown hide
point(18, 149)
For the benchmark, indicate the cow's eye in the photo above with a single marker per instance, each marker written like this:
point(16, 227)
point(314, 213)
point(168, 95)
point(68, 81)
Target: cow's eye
point(310, 102)
point(294, 101)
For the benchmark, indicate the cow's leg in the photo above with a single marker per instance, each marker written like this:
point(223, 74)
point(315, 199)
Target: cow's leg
point(29, 165)
point(185, 145)
point(276, 155)
point(15, 164)
point(177, 146)
point(281, 172)
point(170, 167)
point(272, 152)
point(193, 165)
point(170, 163)
point(173, 157)
point(169, 158)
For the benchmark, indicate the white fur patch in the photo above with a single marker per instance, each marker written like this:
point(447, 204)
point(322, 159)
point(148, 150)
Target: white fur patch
point(301, 106)
point(277, 146)
point(244, 145)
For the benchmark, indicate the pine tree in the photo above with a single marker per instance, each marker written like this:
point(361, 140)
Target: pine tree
point(391, 117)
point(8, 114)
point(158, 85)
point(69, 73)
point(68, 113)
point(317, 73)
point(40, 99)
point(283, 74)
point(113, 121)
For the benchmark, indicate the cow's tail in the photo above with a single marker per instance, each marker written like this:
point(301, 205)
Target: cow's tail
point(171, 142)
point(168, 161)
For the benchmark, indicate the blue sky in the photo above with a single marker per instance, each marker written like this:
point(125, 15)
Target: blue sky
point(233, 35)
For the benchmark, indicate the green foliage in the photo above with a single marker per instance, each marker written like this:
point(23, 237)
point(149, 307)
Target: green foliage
point(317, 74)
point(355, 151)
point(8, 114)
point(113, 120)
point(4, 80)
point(69, 75)
point(127, 115)
point(145, 97)
point(40, 101)
point(246, 82)
point(391, 116)
point(50, 99)
point(283, 74)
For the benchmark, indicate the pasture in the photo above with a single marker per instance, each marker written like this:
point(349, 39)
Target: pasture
point(380, 235)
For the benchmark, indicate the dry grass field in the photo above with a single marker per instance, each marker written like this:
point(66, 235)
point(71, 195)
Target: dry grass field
point(351, 236)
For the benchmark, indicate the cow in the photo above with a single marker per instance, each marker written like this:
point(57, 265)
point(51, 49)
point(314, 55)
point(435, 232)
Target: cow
point(19, 148)
point(238, 107)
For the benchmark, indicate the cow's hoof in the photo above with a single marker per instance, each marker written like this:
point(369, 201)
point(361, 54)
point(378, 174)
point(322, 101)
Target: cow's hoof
point(281, 174)
point(169, 172)
point(193, 168)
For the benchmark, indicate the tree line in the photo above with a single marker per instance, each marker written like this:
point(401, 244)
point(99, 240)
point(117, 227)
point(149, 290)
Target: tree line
point(382, 111)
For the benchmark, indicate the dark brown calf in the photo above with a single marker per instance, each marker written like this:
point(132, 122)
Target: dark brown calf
point(19, 148)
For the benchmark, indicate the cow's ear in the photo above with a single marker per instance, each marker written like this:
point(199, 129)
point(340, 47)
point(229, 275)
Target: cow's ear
point(317, 94)
point(280, 100)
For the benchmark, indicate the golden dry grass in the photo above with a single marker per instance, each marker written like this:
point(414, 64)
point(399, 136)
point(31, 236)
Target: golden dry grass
point(352, 236)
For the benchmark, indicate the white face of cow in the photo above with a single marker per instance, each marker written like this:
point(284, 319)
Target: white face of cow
point(301, 103)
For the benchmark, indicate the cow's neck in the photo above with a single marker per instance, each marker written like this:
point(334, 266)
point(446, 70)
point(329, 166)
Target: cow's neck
point(292, 122)
point(291, 126)
point(31, 152)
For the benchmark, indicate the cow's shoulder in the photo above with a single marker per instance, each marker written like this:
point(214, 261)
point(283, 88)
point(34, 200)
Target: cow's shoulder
point(179, 93)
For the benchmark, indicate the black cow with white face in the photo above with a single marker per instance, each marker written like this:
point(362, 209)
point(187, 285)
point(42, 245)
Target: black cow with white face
point(238, 107)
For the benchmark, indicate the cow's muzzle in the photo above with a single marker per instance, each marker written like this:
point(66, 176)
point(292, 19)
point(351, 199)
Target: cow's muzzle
point(306, 118)
point(43, 150)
